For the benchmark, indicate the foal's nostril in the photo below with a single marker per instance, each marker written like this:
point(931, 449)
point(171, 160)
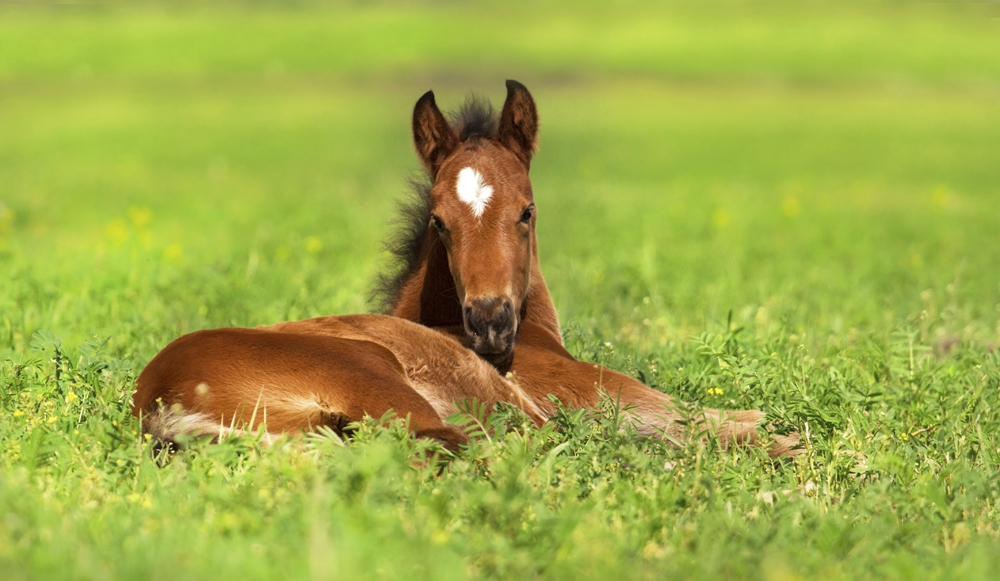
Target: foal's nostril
point(474, 321)
point(508, 311)
point(501, 316)
point(489, 319)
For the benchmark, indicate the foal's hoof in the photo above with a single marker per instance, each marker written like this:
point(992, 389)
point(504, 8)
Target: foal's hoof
point(785, 446)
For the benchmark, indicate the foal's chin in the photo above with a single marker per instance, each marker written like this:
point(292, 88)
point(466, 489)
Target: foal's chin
point(500, 354)
point(501, 361)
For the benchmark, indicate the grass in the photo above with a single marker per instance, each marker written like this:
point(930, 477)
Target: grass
point(743, 204)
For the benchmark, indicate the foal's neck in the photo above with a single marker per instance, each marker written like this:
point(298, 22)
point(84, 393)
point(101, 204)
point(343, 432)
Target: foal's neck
point(538, 307)
point(428, 295)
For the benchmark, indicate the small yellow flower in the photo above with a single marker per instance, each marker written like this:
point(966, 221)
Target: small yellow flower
point(116, 231)
point(790, 206)
point(140, 215)
point(313, 245)
point(6, 219)
point(71, 397)
point(720, 219)
point(173, 253)
point(18, 413)
point(940, 196)
point(904, 436)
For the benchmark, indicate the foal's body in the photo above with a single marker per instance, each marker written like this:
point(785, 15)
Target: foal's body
point(330, 371)
point(469, 305)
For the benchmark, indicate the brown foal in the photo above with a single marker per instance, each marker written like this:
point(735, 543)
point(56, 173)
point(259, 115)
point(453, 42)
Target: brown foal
point(471, 318)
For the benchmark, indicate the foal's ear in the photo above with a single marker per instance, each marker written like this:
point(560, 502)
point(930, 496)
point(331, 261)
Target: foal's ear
point(432, 136)
point(518, 129)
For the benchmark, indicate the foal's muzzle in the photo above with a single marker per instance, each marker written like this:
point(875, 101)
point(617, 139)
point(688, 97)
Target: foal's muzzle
point(490, 324)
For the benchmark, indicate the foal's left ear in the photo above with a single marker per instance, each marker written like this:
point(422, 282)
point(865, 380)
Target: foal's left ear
point(433, 138)
point(518, 129)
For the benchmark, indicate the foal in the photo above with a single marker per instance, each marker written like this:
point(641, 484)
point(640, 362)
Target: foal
point(469, 300)
point(469, 266)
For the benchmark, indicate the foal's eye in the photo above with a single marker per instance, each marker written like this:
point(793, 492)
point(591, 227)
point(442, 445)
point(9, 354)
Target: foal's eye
point(527, 213)
point(438, 223)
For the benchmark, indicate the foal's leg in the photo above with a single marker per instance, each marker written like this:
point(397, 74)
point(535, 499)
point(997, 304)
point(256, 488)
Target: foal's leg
point(659, 414)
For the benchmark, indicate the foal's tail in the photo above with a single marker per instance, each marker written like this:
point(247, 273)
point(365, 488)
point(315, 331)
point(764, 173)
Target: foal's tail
point(165, 425)
point(288, 415)
point(271, 418)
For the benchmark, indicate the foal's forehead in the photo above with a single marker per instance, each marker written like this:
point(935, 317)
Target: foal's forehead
point(483, 177)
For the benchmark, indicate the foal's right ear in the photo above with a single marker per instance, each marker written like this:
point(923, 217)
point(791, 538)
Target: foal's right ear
point(432, 136)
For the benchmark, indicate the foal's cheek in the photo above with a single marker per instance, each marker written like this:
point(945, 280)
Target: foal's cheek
point(446, 241)
point(456, 277)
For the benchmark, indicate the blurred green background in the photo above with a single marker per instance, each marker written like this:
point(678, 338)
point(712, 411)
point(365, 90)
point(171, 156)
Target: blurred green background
point(788, 205)
point(821, 164)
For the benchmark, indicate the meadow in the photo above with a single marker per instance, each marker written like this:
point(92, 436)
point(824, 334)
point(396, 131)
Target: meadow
point(777, 205)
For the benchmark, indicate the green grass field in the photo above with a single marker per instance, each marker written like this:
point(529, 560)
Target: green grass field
point(783, 205)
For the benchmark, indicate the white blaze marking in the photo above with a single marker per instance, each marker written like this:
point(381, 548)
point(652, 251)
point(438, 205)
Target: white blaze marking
point(473, 190)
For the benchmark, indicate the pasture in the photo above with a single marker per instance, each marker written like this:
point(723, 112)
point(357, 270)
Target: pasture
point(780, 206)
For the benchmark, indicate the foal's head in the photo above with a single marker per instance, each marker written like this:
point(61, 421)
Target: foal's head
point(482, 211)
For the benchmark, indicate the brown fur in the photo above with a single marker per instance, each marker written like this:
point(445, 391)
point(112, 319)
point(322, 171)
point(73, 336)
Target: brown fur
point(330, 371)
point(287, 380)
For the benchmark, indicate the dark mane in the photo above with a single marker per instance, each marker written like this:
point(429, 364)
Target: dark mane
point(409, 228)
point(474, 120)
